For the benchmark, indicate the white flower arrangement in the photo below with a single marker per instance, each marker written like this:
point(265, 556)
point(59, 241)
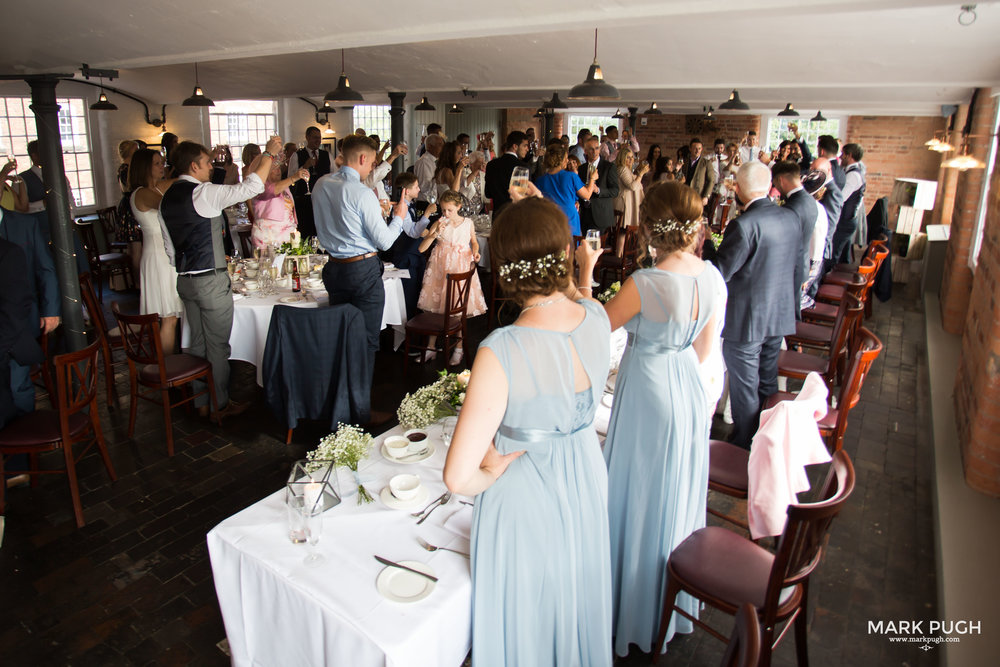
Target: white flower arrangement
point(346, 447)
point(441, 398)
point(609, 293)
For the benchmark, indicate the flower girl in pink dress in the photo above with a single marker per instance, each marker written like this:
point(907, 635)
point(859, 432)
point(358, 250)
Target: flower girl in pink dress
point(455, 252)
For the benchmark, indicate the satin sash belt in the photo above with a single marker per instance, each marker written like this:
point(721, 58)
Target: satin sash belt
point(651, 347)
point(538, 434)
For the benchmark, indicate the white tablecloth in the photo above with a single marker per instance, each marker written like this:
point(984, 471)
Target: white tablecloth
point(252, 317)
point(277, 611)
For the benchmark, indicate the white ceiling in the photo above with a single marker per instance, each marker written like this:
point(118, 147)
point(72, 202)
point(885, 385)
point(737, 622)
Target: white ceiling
point(847, 56)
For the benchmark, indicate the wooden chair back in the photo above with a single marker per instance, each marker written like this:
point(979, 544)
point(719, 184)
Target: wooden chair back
point(864, 351)
point(457, 291)
point(141, 339)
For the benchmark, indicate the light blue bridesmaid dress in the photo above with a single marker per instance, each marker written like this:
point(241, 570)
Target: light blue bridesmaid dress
point(657, 449)
point(541, 572)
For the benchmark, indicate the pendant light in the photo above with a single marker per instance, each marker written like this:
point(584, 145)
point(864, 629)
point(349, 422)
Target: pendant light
point(594, 87)
point(619, 115)
point(454, 108)
point(555, 103)
point(964, 161)
point(788, 111)
point(709, 112)
point(197, 98)
point(818, 118)
point(539, 113)
point(102, 103)
point(424, 105)
point(652, 110)
point(343, 93)
point(734, 103)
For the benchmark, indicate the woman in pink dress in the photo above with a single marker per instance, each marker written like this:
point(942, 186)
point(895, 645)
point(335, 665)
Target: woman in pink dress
point(274, 209)
point(455, 252)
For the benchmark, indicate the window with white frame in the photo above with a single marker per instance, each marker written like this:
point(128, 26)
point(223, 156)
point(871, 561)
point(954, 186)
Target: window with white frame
point(374, 119)
point(592, 123)
point(236, 123)
point(809, 131)
point(17, 128)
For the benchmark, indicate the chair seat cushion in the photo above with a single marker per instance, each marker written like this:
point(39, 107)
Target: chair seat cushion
point(178, 367)
point(826, 312)
point(727, 464)
point(830, 293)
point(827, 423)
point(807, 332)
point(726, 566)
point(839, 278)
point(39, 428)
point(801, 364)
point(432, 322)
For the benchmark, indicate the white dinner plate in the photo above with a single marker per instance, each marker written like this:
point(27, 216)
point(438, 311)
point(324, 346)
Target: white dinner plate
point(294, 298)
point(397, 504)
point(607, 400)
point(399, 585)
point(409, 458)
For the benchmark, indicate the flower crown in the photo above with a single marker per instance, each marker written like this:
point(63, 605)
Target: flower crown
point(534, 267)
point(686, 227)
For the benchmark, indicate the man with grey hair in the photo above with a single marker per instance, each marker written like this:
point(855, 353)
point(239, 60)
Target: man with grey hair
point(754, 259)
point(426, 165)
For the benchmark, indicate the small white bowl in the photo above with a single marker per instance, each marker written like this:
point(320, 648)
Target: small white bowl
point(253, 264)
point(404, 487)
point(250, 285)
point(250, 273)
point(397, 446)
point(417, 438)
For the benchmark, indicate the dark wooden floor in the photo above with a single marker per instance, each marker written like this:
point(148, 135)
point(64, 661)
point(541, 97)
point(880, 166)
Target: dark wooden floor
point(134, 586)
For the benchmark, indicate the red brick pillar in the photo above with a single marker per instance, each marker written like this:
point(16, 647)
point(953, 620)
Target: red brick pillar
point(944, 207)
point(977, 387)
point(956, 283)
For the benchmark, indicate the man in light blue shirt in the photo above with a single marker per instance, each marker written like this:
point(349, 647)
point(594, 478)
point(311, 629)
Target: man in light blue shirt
point(350, 226)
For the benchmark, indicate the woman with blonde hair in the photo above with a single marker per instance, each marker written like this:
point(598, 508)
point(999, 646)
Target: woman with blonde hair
point(657, 445)
point(525, 446)
point(629, 187)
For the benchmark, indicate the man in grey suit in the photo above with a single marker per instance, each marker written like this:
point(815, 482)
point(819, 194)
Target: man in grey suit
point(787, 179)
point(754, 261)
point(599, 211)
point(700, 172)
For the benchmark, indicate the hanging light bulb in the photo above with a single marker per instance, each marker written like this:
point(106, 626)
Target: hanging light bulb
point(197, 98)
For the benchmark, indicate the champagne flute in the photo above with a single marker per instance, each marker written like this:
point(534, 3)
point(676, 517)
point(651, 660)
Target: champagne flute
point(314, 530)
point(448, 430)
point(302, 146)
point(593, 239)
point(519, 180)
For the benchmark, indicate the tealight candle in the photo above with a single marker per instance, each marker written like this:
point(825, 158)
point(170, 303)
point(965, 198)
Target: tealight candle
point(296, 239)
point(312, 493)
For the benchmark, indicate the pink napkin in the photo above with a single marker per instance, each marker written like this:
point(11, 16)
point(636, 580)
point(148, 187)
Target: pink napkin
point(787, 441)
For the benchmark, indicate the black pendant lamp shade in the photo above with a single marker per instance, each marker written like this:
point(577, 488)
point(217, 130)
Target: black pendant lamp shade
point(734, 103)
point(619, 115)
point(788, 111)
point(343, 93)
point(555, 103)
point(197, 98)
point(818, 117)
point(102, 103)
point(454, 108)
point(652, 110)
point(424, 105)
point(594, 87)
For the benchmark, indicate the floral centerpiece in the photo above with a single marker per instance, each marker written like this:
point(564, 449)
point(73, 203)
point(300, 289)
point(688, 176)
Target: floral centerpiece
point(441, 398)
point(346, 447)
point(609, 293)
point(716, 239)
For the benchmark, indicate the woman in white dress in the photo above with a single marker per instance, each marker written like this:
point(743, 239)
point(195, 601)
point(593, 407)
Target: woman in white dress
point(157, 278)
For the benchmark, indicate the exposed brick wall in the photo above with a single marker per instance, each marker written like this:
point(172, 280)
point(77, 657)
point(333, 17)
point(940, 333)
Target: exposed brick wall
point(977, 386)
point(671, 131)
point(518, 119)
point(894, 148)
point(956, 283)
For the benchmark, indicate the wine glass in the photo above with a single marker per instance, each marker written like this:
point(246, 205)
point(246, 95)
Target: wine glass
point(313, 516)
point(448, 430)
point(519, 180)
point(314, 244)
point(594, 239)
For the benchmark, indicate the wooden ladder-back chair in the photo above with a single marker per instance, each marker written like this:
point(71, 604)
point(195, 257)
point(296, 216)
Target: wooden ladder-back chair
point(110, 263)
point(450, 325)
point(798, 365)
point(110, 339)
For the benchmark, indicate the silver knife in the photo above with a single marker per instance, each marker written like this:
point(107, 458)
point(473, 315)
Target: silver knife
point(386, 561)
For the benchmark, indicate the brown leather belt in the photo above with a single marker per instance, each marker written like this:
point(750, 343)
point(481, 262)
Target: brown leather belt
point(348, 260)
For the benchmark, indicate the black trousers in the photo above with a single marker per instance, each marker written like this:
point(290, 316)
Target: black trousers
point(753, 376)
point(304, 215)
point(359, 284)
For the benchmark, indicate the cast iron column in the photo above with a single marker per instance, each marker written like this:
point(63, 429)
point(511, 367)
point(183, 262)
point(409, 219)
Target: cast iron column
point(632, 118)
point(396, 111)
point(43, 104)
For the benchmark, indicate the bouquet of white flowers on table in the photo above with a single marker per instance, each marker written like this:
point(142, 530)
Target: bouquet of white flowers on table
point(609, 293)
point(441, 398)
point(346, 447)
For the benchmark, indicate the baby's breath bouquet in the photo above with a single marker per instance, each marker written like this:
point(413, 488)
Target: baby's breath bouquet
point(346, 447)
point(609, 293)
point(441, 398)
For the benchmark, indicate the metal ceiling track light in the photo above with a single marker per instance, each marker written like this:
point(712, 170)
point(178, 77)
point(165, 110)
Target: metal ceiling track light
point(734, 103)
point(788, 111)
point(594, 87)
point(424, 105)
point(343, 93)
point(197, 98)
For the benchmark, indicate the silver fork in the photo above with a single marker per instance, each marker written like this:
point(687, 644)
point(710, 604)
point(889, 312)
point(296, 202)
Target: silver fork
point(430, 504)
point(431, 547)
point(443, 501)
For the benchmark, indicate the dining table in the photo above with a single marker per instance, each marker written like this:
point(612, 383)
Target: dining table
point(252, 316)
point(279, 610)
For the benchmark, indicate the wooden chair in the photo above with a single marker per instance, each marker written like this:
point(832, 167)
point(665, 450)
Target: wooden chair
point(42, 372)
point(727, 474)
point(448, 325)
point(110, 339)
point(113, 263)
point(831, 293)
point(864, 352)
point(726, 570)
point(798, 365)
point(497, 298)
point(111, 225)
point(826, 313)
point(73, 421)
point(744, 644)
point(620, 266)
point(149, 367)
